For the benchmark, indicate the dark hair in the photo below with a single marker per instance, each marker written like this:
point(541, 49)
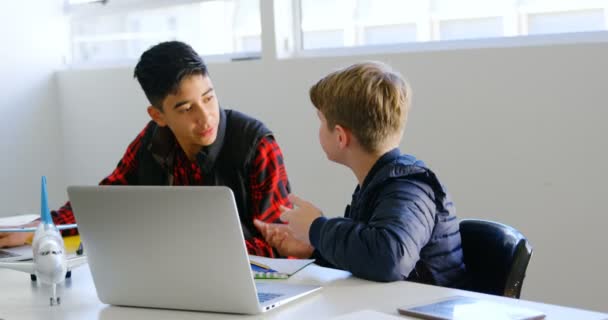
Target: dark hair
point(161, 68)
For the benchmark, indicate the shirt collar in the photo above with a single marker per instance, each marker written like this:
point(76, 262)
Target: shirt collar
point(383, 160)
point(163, 146)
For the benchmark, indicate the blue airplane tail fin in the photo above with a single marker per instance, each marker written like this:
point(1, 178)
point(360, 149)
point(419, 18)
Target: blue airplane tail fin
point(45, 214)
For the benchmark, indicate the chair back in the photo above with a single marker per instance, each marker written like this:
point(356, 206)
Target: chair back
point(496, 256)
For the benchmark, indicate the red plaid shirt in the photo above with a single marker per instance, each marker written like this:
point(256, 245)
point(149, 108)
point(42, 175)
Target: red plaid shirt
point(268, 185)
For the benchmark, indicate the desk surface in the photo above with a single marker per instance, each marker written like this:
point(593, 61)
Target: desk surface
point(342, 294)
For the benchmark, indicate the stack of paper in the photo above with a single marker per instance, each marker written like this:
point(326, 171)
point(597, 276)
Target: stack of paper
point(274, 268)
point(17, 221)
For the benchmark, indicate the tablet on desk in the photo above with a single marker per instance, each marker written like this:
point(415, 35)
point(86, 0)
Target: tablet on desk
point(467, 308)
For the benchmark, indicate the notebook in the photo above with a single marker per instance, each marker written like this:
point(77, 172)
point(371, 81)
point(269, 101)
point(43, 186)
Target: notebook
point(468, 308)
point(13, 221)
point(172, 247)
point(16, 253)
point(276, 268)
point(366, 315)
point(7, 224)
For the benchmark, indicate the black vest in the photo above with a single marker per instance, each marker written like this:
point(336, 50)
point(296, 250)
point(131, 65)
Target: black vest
point(226, 162)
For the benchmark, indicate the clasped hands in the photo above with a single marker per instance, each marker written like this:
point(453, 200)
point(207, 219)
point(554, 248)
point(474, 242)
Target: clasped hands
point(291, 239)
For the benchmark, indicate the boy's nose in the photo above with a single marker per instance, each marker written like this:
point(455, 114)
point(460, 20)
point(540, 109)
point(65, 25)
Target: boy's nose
point(201, 114)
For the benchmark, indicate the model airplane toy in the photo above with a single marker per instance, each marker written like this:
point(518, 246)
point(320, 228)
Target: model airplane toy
point(49, 263)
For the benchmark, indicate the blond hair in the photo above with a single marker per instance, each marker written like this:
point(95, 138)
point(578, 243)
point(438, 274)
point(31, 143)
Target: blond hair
point(369, 99)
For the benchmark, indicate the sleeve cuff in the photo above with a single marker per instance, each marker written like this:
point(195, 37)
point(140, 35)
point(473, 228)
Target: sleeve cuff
point(314, 235)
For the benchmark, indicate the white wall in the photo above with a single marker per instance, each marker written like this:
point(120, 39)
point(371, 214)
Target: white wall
point(33, 42)
point(517, 134)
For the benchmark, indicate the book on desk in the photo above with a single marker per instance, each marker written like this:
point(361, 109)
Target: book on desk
point(276, 268)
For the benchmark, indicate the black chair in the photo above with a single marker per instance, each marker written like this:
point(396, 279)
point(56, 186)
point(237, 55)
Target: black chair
point(496, 257)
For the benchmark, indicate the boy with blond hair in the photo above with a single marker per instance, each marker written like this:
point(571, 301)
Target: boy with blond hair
point(400, 224)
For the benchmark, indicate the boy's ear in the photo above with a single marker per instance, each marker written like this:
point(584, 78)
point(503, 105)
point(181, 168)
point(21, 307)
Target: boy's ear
point(157, 115)
point(343, 136)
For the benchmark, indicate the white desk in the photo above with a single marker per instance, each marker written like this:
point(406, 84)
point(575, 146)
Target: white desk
point(342, 294)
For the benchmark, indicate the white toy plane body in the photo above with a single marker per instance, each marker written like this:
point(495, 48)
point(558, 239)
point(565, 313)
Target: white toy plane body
point(49, 263)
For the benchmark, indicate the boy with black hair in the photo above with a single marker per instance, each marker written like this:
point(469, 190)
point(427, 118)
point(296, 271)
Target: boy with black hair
point(192, 141)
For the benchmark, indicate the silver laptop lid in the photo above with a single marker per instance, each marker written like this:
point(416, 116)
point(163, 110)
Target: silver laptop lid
point(165, 247)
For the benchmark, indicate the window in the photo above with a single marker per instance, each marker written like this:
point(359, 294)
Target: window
point(122, 32)
point(470, 28)
point(559, 16)
point(72, 2)
point(324, 23)
point(340, 23)
point(111, 31)
point(347, 23)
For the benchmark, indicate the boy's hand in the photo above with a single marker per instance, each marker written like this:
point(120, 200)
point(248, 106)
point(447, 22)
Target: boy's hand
point(299, 219)
point(279, 237)
point(15, 239)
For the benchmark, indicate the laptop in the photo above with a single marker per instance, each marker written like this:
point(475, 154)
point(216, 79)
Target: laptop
point(172, 247)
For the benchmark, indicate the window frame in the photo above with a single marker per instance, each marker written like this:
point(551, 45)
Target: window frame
point(285, 41)
point(113, 7)
point(512, 30)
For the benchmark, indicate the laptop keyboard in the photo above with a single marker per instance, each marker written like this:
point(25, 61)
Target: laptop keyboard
point(266, 296)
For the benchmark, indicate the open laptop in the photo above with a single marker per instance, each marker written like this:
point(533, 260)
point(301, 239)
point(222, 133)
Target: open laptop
point(172, 247)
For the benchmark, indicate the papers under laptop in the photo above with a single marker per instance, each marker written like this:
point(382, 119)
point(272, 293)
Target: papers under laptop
point(17, 253)
point(172, 247)
point(272, 268)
